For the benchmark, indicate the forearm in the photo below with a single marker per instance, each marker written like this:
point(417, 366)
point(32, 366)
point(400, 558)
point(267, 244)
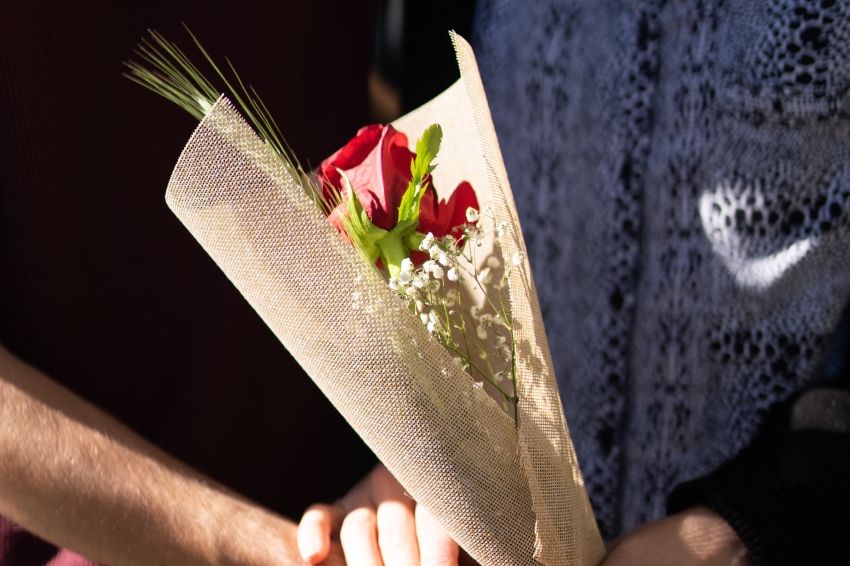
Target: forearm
point(80, 479)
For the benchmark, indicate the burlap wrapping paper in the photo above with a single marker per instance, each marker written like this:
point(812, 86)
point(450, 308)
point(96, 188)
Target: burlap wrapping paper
point(508, 496)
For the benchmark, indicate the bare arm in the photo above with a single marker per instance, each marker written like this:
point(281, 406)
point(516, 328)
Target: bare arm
point(80, 479)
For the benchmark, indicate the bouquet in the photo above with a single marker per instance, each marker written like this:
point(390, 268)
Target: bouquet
point(414, 310)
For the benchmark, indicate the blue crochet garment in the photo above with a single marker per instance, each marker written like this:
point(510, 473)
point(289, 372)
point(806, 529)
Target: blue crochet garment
point(681, 171)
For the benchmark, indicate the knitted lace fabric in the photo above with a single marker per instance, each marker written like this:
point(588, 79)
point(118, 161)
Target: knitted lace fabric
point(681, 171)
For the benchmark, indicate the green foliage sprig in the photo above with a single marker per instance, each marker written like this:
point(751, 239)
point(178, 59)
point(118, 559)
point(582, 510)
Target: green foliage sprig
point(168, 72)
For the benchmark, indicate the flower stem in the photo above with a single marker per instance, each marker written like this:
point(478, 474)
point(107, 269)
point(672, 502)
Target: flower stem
point(393, 252)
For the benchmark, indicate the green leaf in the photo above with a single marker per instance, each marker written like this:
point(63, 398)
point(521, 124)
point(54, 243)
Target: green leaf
point(167, 71)
point(407, 208)
point(426, 151)
point(405, 227)
point(365, 236)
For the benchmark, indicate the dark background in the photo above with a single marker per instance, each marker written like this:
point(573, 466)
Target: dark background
point(100, 285)
point(413, 57)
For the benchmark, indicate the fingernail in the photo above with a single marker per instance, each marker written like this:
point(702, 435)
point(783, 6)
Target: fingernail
point(312, 548)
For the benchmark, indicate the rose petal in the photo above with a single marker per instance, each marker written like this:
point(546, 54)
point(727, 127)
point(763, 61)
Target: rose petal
point(450, 216)
point(377, 163)
point(418, 258)
point(354, 152)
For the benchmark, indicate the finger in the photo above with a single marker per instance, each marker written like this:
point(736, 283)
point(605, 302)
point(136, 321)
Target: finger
point(336, 557)
point(436, 547)
point(361, 495)
point(397, 533)
point(359, 537)
point(314, 531)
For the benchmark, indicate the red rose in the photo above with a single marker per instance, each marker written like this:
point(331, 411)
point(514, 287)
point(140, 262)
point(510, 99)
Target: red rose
point(377, 163)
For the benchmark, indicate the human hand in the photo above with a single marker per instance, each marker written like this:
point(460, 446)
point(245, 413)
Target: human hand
point(694, 537)
point(377, 524)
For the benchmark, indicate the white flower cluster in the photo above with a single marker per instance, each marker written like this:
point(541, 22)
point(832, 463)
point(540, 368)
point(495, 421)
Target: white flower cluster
point(428, 278)
point(487, 322)
point(433, 293)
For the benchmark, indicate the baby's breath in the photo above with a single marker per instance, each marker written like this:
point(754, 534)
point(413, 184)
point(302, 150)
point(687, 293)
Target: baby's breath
point(479, 335)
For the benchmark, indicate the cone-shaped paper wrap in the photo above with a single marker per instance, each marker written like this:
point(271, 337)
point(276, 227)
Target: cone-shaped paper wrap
point(509, 497)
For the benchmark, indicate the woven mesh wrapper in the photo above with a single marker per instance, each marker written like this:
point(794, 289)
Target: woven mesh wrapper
point(507, 496)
